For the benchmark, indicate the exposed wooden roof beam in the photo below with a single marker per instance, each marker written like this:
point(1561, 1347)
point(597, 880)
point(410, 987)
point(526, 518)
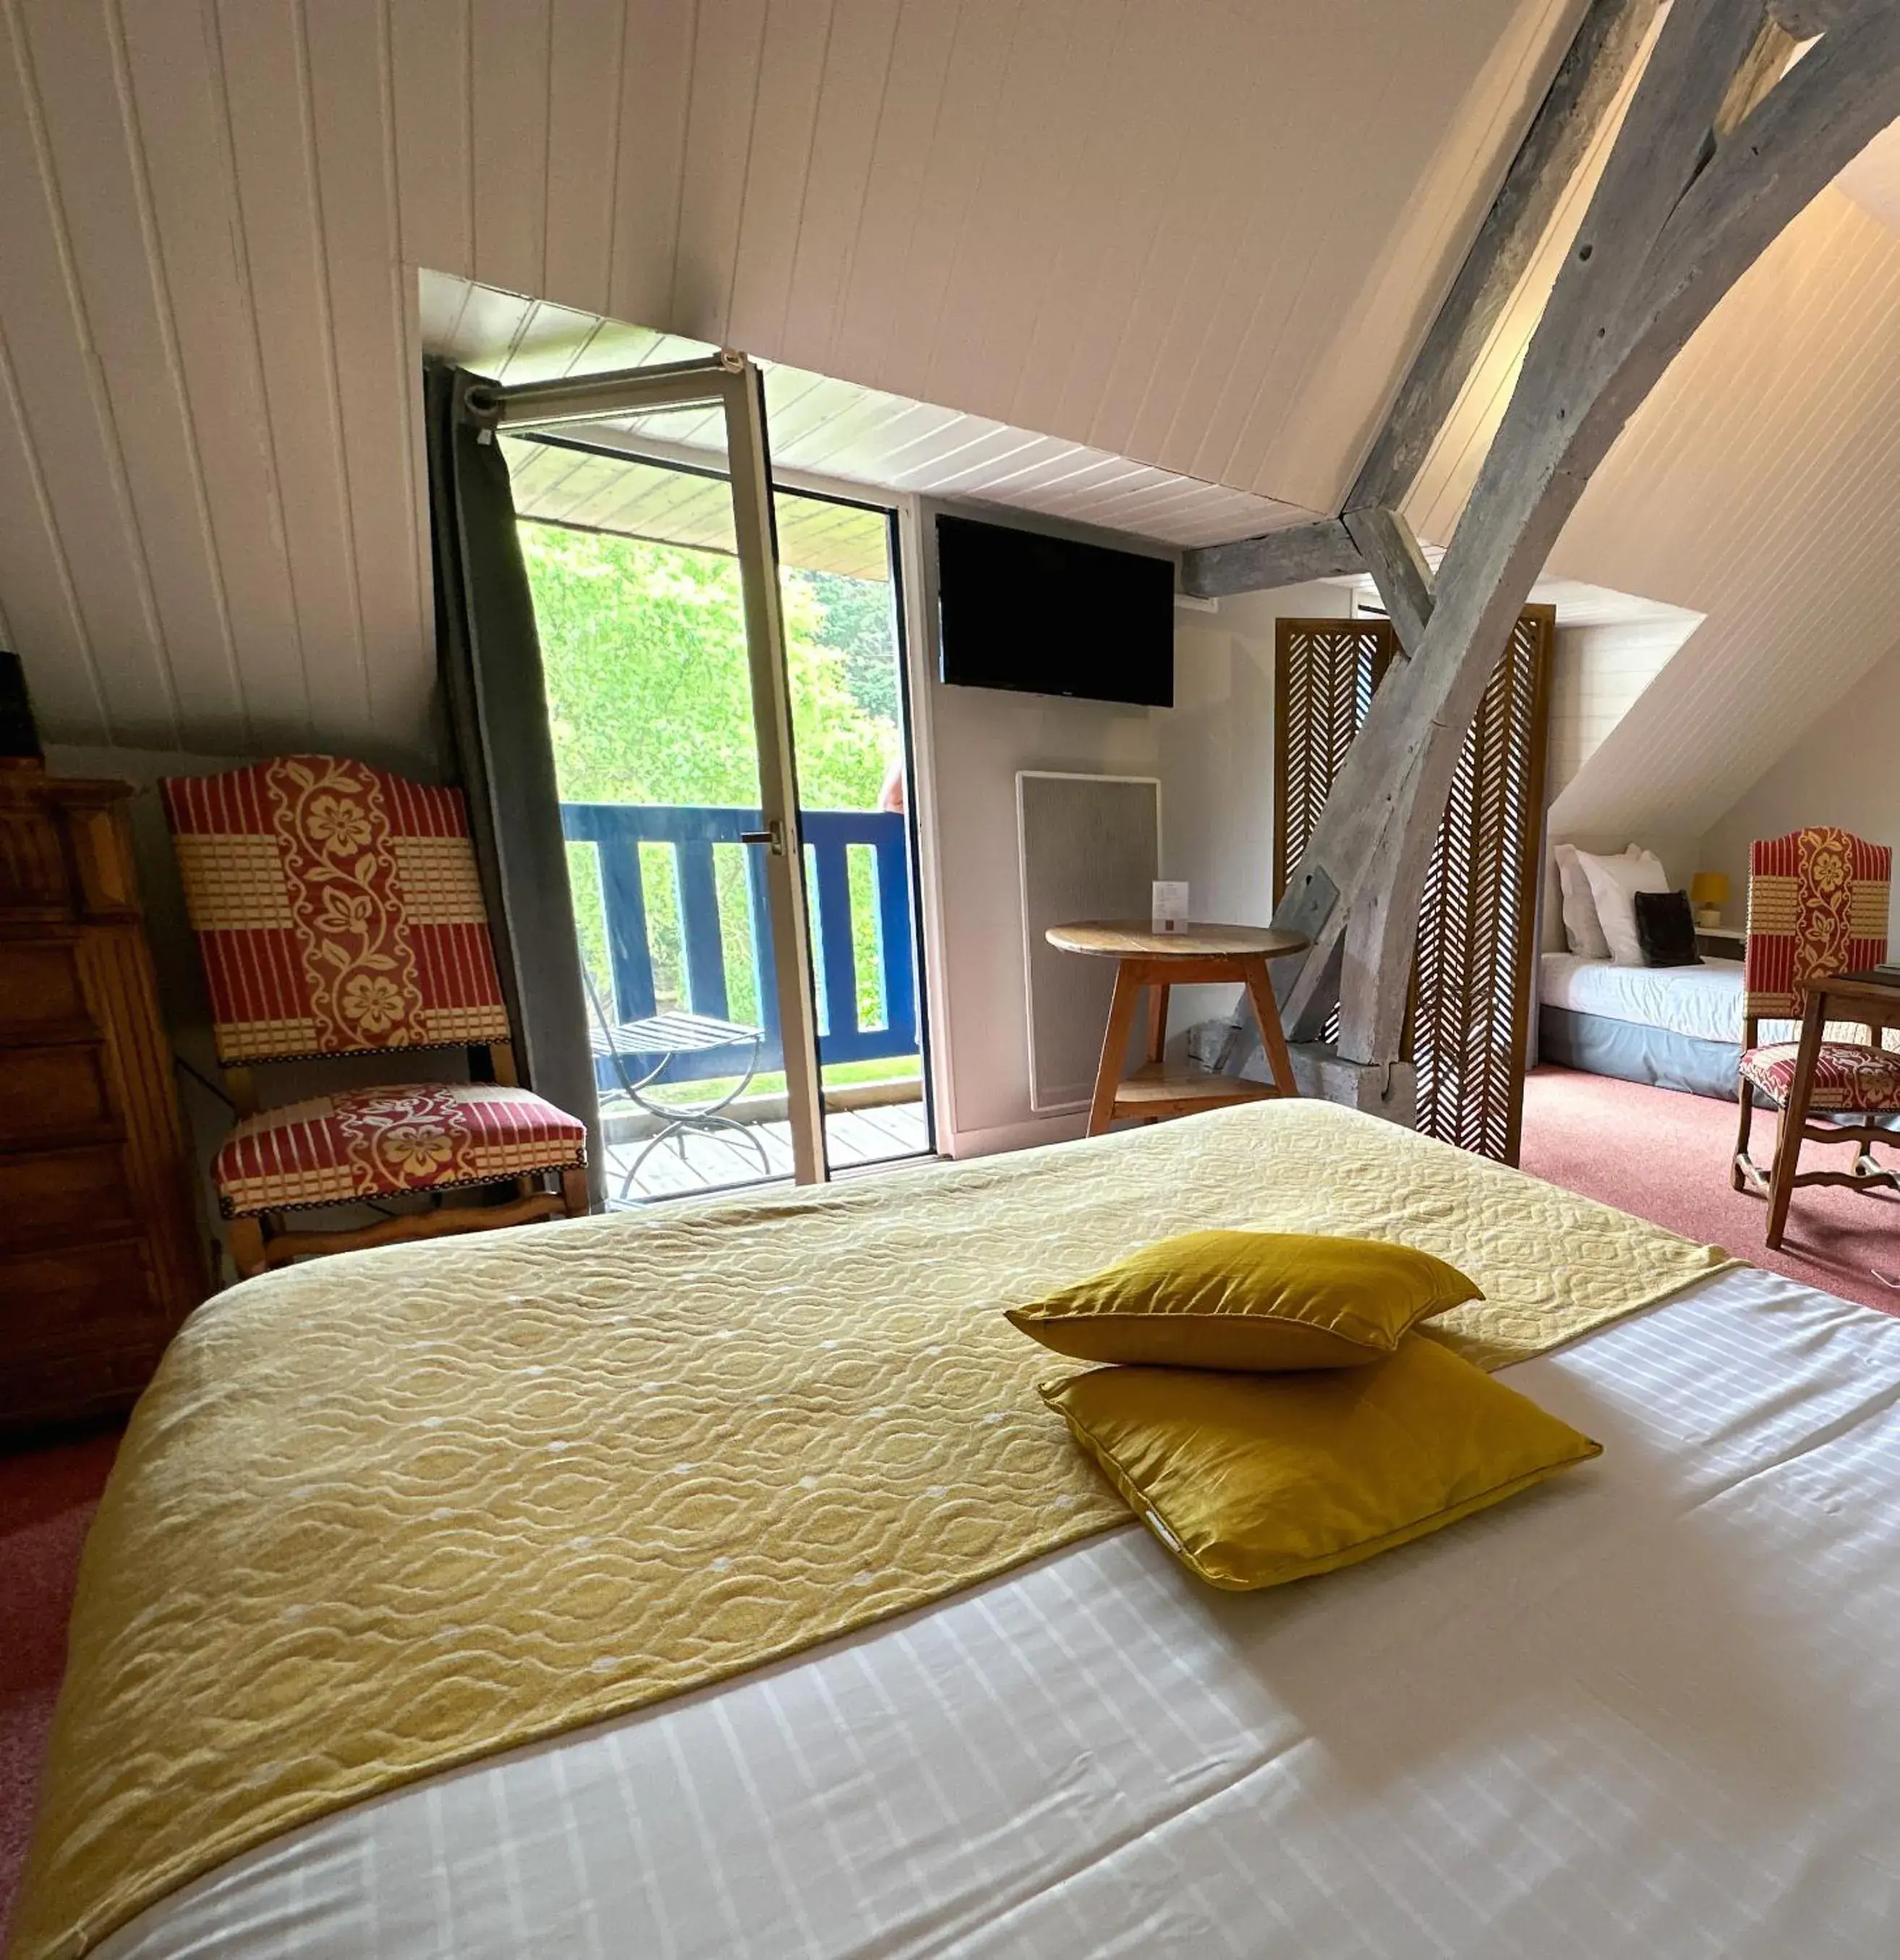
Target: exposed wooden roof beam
point(1767, 63)
point(1804, 19)
point(1677, 218)
point(1320, 550)
point(1398, 569)
point(1585, 84)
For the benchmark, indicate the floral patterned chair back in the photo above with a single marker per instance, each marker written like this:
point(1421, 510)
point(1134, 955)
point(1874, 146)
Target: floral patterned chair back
point(337, 909)
point(1817, 904)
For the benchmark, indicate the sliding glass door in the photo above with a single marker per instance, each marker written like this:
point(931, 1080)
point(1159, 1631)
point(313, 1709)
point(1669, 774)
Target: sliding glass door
point(748, 1021)
point(647, 1055)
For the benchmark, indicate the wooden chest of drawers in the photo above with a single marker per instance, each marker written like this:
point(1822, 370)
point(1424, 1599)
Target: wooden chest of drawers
point(101, 1252)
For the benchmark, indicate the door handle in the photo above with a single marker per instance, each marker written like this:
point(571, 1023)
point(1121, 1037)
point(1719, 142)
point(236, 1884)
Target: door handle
point(774, 834)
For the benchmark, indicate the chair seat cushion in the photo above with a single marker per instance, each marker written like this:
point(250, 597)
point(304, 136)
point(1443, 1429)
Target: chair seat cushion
point(375, 1143)
point(1848, 1076)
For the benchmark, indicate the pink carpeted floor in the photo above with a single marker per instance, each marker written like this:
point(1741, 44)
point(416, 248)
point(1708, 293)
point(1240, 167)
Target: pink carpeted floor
point(1661, 1155)
point(1665, 1157)
point(47, 1500)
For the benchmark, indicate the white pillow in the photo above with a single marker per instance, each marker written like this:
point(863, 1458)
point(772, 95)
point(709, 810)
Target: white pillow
point(1582, 932)
point(1614, 883)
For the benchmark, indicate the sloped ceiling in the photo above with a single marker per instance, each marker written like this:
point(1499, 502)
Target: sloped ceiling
point(1202, 237)
point(1758, 486)
point(826, 428)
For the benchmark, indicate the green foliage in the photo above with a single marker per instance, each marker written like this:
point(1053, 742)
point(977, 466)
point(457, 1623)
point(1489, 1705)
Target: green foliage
point(649, 701)
point(858, 623)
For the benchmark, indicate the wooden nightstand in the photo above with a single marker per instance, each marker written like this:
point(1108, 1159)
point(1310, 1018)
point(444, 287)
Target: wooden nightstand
point(1720, 941)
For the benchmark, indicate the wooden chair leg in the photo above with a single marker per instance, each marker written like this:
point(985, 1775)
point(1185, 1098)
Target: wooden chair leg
point(1115, 1049)
point(1740, 1164)
point(1794, 1120)
point(244, 1238)
point(574, 1193)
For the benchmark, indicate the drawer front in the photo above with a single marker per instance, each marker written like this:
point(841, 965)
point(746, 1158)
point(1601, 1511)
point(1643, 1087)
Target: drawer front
point(50, 1092)
point(62, 1195)
point(78, 1298)
point(32, 866)
point(41, 995)
point(50, 1389)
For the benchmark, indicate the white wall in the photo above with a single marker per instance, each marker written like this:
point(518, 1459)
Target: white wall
point(1217, 763)
point(1214, 753)
point(1597, 674)
point(1842, 770)
point(1597, 671)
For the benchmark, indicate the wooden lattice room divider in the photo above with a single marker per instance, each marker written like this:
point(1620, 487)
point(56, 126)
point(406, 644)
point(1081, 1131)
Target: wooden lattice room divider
point(1471, 985)
point(1470, 1016)
point(1325, 671)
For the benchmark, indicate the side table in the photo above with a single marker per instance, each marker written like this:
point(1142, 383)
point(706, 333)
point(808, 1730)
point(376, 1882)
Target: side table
point(1156, 961)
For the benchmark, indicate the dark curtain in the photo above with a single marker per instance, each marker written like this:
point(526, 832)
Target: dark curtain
point(489, 655)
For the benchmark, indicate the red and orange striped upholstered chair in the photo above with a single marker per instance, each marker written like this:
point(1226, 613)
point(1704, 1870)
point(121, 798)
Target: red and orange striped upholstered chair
point(1817, 905)
point(338, 912)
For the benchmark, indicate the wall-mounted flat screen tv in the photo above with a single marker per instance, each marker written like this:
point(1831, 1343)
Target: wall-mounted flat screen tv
point(1047, 615)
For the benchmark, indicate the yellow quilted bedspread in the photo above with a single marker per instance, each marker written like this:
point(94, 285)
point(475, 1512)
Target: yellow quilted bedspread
point(389, 1513)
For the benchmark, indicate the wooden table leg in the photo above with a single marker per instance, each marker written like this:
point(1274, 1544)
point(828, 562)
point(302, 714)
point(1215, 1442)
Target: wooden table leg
point(1114, 1048)
point(1794, 1116)
point(1157, 1021)
point(1266, 1010)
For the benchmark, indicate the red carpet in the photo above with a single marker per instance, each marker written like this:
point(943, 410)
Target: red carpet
point(46, 1500)
point(1665, 1157)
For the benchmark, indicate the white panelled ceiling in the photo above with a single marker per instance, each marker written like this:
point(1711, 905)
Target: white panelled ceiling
point(840, 430)
point(1160, 263)
point(1202, 237)
point(560, 483)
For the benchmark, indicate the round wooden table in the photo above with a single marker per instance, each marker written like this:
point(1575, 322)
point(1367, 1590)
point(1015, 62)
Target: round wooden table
point(1157, 961)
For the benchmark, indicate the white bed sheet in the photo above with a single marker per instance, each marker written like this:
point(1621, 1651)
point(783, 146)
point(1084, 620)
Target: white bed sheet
point(1704, 1002)
point(1653, 1707)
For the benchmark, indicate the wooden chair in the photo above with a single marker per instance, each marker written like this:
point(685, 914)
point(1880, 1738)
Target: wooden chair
point(338, 912)
point(1817, 906)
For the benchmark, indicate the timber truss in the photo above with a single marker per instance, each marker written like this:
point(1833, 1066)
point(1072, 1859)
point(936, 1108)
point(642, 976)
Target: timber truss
point(1727, 138)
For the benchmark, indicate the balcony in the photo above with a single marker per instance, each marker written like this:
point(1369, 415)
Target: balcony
point(673, 918)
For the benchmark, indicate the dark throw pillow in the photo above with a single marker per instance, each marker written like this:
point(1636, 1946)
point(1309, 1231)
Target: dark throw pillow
point(1665, 929)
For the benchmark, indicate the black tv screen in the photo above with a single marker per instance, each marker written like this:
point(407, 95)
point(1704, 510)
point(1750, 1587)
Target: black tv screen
point(1046, 615)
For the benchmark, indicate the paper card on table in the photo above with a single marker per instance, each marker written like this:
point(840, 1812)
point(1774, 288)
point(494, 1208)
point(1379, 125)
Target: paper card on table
point(1170, 905)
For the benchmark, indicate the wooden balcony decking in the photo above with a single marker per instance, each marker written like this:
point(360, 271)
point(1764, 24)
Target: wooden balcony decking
point(700, 1160)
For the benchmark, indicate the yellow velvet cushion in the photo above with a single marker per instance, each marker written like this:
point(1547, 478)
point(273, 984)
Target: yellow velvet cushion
point(1248, 1299)
point(1251, 1480)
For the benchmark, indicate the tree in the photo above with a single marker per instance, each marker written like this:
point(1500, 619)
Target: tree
point(649, 701)
point(649, 694)
point(858, 623)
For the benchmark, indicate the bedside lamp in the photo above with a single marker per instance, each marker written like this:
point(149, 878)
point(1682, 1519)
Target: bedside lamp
point(1708, 893)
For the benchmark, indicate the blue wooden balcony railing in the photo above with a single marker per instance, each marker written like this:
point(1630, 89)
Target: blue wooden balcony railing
point(617, 831)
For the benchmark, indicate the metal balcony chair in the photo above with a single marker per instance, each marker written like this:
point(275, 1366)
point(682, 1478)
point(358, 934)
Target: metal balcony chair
point(680, 1032)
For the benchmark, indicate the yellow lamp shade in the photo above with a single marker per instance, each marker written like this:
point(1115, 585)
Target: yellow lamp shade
point(1709, 888)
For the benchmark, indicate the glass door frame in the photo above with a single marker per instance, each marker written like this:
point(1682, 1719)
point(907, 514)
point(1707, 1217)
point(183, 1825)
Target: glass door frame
point(731, 383)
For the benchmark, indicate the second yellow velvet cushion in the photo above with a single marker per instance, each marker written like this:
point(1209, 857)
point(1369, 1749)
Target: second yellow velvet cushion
point(1252, 1480)
point(1248, 1299)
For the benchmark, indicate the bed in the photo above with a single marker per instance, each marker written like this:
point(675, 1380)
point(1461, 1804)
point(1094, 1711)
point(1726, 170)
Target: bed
point(1649, 1708)
point(1672, 1027)
point(1675, 1027)
point(1657, 1715)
